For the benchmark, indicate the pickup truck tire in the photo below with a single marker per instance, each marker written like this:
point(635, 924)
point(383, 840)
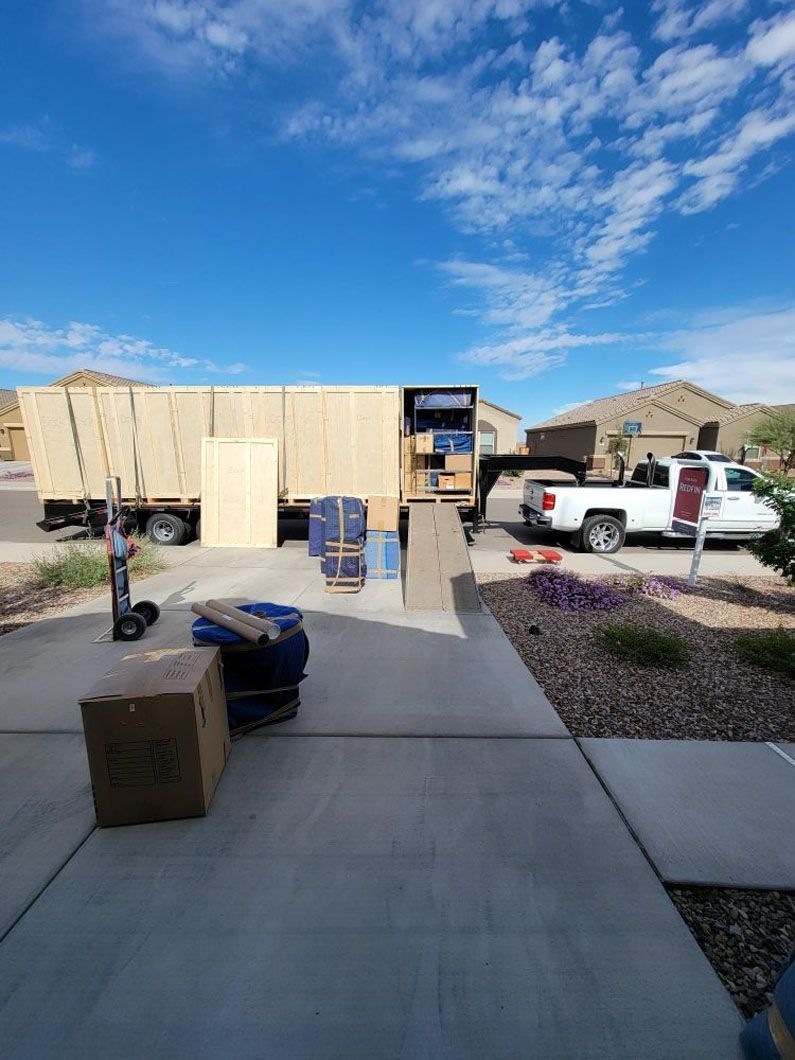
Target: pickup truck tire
point(166, 529)
point(602, 534)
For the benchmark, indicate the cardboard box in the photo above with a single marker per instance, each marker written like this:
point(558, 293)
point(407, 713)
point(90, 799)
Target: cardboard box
point(383, 513)
point(446, 481)
point(458, 462)
point(157, 735)
point(423, 443)
point(463, 480)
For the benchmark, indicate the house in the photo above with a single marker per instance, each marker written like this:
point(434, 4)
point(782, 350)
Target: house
point(13, 443)
point(663, 419)
point(498, 428)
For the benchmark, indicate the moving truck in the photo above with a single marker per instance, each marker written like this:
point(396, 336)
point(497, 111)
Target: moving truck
point(598, 517)
point(415, 443)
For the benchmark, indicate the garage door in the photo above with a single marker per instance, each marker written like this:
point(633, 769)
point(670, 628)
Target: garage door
point(659, 444)
point(19, 444)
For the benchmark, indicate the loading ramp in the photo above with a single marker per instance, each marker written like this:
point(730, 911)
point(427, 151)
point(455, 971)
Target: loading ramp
point(438, 569)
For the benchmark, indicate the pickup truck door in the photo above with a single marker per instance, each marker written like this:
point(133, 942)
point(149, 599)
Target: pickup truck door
point(742, 509)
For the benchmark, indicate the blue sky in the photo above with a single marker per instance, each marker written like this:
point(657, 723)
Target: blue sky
point(553, 199)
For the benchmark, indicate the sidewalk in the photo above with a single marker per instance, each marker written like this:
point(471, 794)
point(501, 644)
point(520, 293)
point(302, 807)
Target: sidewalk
point(421, 864)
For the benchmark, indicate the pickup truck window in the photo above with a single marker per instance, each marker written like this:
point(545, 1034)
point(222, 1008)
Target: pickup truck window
point(660, 475)
point(739, 481)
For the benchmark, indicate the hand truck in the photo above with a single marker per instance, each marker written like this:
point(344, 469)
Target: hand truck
point(129, 620)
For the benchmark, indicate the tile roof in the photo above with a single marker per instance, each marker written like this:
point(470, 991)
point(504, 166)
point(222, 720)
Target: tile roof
point(103, 379)
point(737, 413)
point(607, 408)
point(7, 397)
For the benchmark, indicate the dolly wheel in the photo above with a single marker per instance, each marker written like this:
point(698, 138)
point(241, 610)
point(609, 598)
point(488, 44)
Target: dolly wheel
point(149, 610)
point(131, 626)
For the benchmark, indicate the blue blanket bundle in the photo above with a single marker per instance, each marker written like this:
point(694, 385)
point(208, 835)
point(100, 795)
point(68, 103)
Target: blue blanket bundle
point(443, 399)
point(382, 554)
point(344, 518)
point(344, 566)
point(317, 527)
point(261, 684)
point(452, 442)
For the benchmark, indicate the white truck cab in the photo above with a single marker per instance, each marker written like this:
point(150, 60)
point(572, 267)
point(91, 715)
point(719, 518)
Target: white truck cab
point(598, 517)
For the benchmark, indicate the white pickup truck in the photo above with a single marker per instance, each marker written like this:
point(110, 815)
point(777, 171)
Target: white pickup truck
point(598, 517)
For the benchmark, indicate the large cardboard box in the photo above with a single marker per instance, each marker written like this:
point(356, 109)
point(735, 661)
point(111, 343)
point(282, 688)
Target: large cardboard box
point(157, 735)
point(383, 513)
point(446, 481)
point(458, 462)
point(463, 480)
point(424, 442)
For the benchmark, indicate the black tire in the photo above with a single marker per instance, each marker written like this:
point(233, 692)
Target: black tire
point(166, 529)
point(198, 530)
point(130, 626)
point(148, 610)
point(602, 534)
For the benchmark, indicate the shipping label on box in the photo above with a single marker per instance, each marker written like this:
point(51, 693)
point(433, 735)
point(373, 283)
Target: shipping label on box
point(157, 736)
point(383, 513)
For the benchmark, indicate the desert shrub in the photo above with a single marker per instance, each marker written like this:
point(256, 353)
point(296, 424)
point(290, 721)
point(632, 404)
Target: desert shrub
point(84, 566)
point(772, 649)
point(570, 593)
point(644, 645)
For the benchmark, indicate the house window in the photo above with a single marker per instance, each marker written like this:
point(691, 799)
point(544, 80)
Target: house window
point(751, 452)
point(487, 441)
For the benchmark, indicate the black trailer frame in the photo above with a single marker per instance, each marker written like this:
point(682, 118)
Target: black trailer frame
point(490, 467)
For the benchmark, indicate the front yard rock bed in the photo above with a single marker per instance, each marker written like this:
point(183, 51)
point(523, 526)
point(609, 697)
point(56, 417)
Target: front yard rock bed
point(748, 937)
point(716, 695)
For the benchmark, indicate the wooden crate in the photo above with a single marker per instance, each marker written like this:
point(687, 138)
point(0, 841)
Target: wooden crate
point(342, 440)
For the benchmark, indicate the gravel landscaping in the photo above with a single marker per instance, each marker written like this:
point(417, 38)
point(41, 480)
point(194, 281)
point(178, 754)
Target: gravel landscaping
point(21, 602)
point(748, 936)
point(716, 695)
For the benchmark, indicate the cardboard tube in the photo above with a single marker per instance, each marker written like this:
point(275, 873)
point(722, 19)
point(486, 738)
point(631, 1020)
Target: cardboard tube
point(242, 629)
point(264, 625)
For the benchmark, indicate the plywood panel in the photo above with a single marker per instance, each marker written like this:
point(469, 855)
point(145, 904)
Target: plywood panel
point(240, 491)
point(331, 439)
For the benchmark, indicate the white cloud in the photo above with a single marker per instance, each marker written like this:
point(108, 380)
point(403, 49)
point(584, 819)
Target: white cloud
point(576, 144)
point(723, 353)
point(81, 157)
point(31, 137)
point(773, 41)
point(31, 347)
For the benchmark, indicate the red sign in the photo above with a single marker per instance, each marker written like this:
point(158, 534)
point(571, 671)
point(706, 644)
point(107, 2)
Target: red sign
point(689, 489)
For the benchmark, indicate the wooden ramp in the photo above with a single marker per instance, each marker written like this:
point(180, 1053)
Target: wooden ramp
point(438, 571)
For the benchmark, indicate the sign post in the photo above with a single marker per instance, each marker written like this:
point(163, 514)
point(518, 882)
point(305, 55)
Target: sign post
point(690, 514)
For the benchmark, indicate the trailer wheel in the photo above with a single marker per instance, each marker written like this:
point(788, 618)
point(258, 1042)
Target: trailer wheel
point(131, 626)
point(603, 534)
point(166, 529)
point(148, 610)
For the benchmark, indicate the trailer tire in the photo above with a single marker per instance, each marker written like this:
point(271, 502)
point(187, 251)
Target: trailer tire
point(130, 626)
point(148, 610)
point(166, 529)
point(603, 534)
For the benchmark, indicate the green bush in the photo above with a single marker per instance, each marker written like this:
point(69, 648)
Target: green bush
point(84, 566)
point(772, 649)
point(644, 645)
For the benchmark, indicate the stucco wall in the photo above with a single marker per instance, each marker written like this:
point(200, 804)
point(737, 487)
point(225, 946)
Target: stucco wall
point(507, 427)
point(577, 443)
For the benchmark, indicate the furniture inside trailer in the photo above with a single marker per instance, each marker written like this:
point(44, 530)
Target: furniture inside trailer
point(439, 428)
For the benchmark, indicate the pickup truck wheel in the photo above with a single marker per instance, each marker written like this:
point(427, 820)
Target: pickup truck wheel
point(603, 534)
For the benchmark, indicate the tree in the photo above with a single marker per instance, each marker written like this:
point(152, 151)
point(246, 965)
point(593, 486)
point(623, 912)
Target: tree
point(617, 444)
point(777, 432)
point(776, 548)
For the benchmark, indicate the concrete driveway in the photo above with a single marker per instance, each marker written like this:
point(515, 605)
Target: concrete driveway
point(421, 864)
